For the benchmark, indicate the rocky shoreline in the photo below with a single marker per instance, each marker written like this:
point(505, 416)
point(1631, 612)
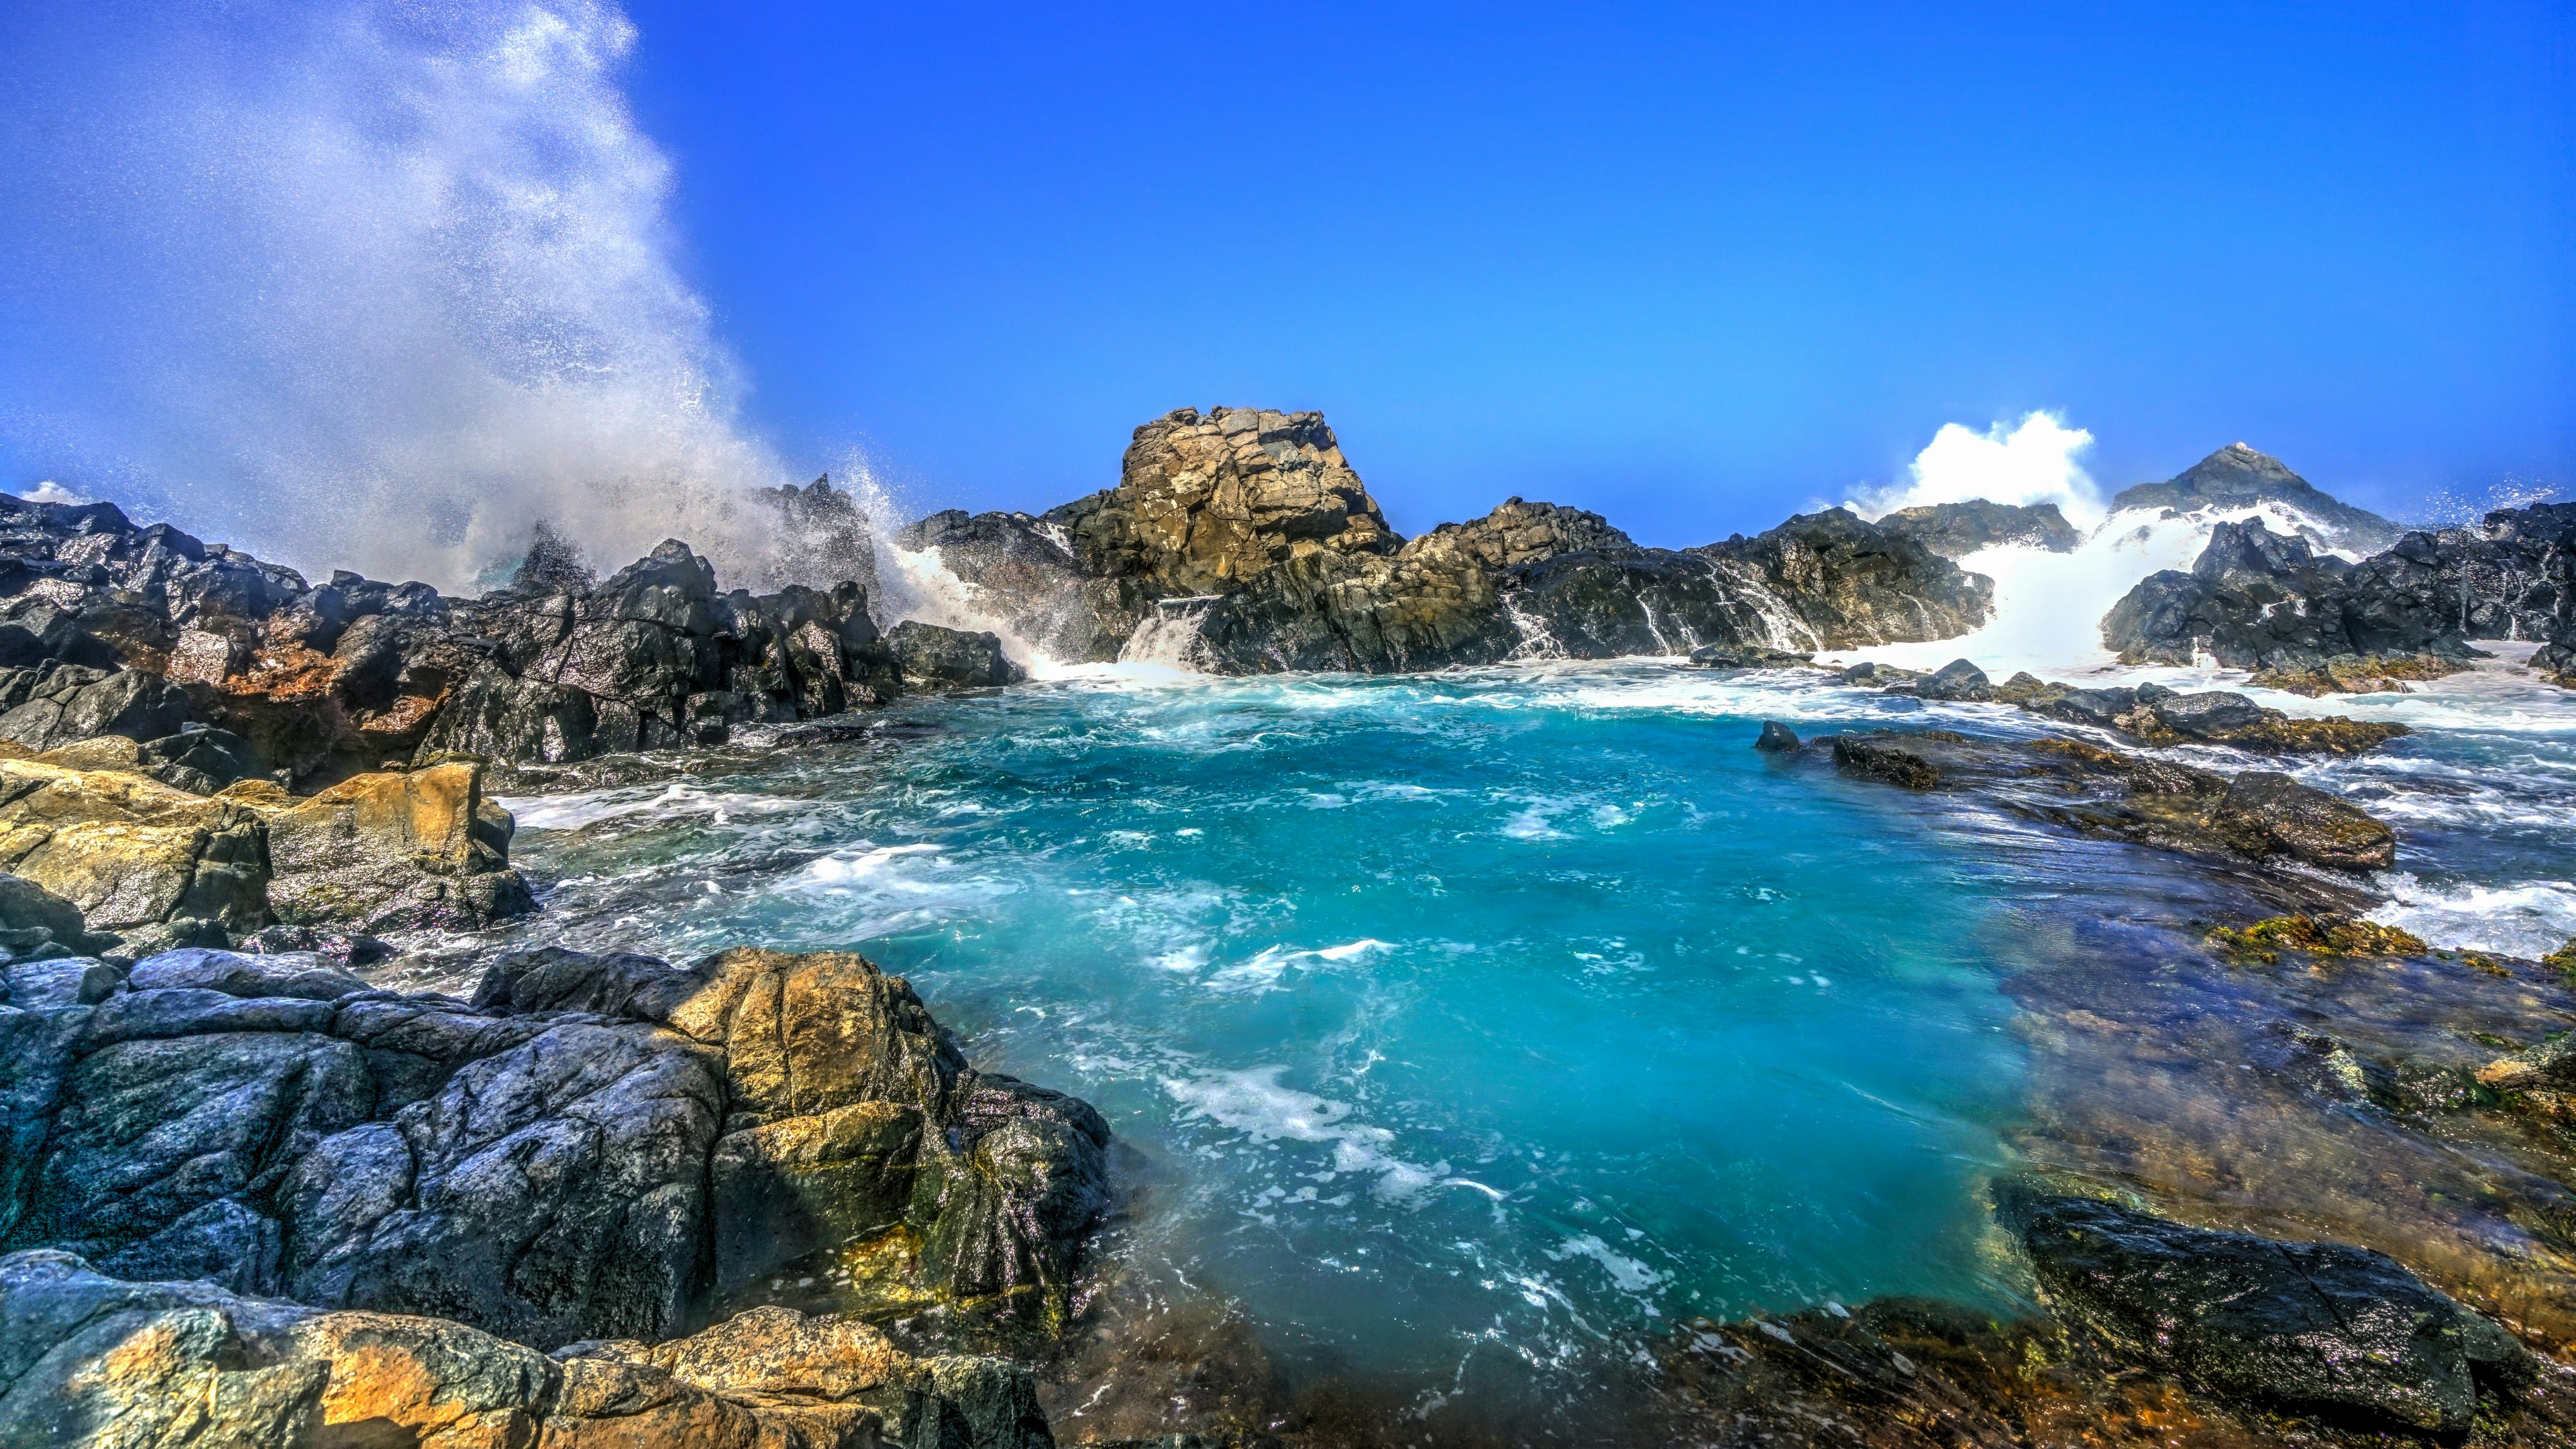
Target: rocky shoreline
point(247, 1196)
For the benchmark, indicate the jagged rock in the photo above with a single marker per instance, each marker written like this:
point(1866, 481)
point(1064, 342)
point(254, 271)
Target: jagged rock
point(1517, 533)
point(138, 858)
point(1956, 530)
point(1333, 611)
point(89, 1362)
point(2237, 475)
point(2257, 601)
point(1022, 571)
point(1777, 739)
point(556, 1161)
point(62, 703)
point(2258, 815)
point(1204, 502)
point(2311, 1328)
point(823, 538)
point(394, 851)
point(933, 658)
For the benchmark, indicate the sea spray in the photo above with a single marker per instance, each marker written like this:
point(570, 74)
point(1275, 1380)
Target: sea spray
point(375, 285)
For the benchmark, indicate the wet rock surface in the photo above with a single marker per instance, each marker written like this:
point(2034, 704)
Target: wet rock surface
point(2254, 816)
point(2311, 1328)
point(561, 1160)
point(2257, 600)
point(89, 1361)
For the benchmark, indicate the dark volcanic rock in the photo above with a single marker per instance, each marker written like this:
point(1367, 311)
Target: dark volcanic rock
point(2258, 815)
point(2236, 475)
point(933, 658)
point(1956, 681)
point(568, 1158)
point(2255, 600)
point(1022, 571)
point(2312, 1328)
point(1777, 739)
point(1955, 530)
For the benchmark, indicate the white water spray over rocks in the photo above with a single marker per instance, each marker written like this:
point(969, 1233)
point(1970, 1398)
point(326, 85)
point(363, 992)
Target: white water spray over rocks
point(377, 285)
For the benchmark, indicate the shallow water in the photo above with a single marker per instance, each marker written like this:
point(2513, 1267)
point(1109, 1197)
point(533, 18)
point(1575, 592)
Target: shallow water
point(1494, 1017)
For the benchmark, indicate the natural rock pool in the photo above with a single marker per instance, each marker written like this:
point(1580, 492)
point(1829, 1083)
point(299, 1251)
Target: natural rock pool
point(1465, 1032)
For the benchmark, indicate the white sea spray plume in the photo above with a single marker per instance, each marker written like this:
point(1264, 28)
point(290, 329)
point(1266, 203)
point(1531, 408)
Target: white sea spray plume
point(381, 285)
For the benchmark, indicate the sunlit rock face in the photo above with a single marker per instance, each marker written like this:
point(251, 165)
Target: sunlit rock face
point(557, 1161)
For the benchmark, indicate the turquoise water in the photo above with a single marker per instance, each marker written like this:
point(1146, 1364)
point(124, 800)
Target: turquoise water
point(1490, 1018)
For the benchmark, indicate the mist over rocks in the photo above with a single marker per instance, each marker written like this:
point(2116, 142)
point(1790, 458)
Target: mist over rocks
point(1255, 524)
point(2258, 600)
point(2237, 475)
point(1956, 530)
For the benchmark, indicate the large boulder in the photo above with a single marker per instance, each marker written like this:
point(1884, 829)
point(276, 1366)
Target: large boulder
point(1204, 502)
point(137, 857)
point(933, 658)
point(2321, 1329)
point(393, 850)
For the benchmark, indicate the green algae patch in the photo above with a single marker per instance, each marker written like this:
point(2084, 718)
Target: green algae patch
point(2265, 940)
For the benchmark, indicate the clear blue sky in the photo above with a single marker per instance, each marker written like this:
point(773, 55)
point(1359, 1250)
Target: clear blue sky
point(1692, 266)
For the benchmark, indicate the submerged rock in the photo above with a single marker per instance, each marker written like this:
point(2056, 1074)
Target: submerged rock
point(2256, 815)
point(2310, 1328)
point(2266, 939)
point(1777, 739)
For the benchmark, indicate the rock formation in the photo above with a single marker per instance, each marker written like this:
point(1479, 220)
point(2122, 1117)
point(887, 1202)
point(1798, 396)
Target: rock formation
point(1956, 530)
point(2236, 476)
point(596, 1148)
point(2257, 815)
point(2256, 600)
point(89, 1361)
point(1252, 525)
point(107, 629)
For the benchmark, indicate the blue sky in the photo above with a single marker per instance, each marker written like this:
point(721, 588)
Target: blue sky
point(1691, 266)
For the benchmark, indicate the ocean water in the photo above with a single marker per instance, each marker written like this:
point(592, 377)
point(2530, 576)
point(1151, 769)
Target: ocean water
point(1491, 1018)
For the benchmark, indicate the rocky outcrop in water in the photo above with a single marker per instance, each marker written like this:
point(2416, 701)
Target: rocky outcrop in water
point(93, 1362)
point(1253, 527)
point(2256, 600)
point(2255, 816)
point(2310, 1328)
point(2236, 476)
point(1956, 530)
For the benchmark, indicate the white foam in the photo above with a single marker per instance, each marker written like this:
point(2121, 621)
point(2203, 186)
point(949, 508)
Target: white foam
point(2528, 919)
point(1255, 1104)
point(864, 863)
point(590, 807)
point(1627, 1274)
